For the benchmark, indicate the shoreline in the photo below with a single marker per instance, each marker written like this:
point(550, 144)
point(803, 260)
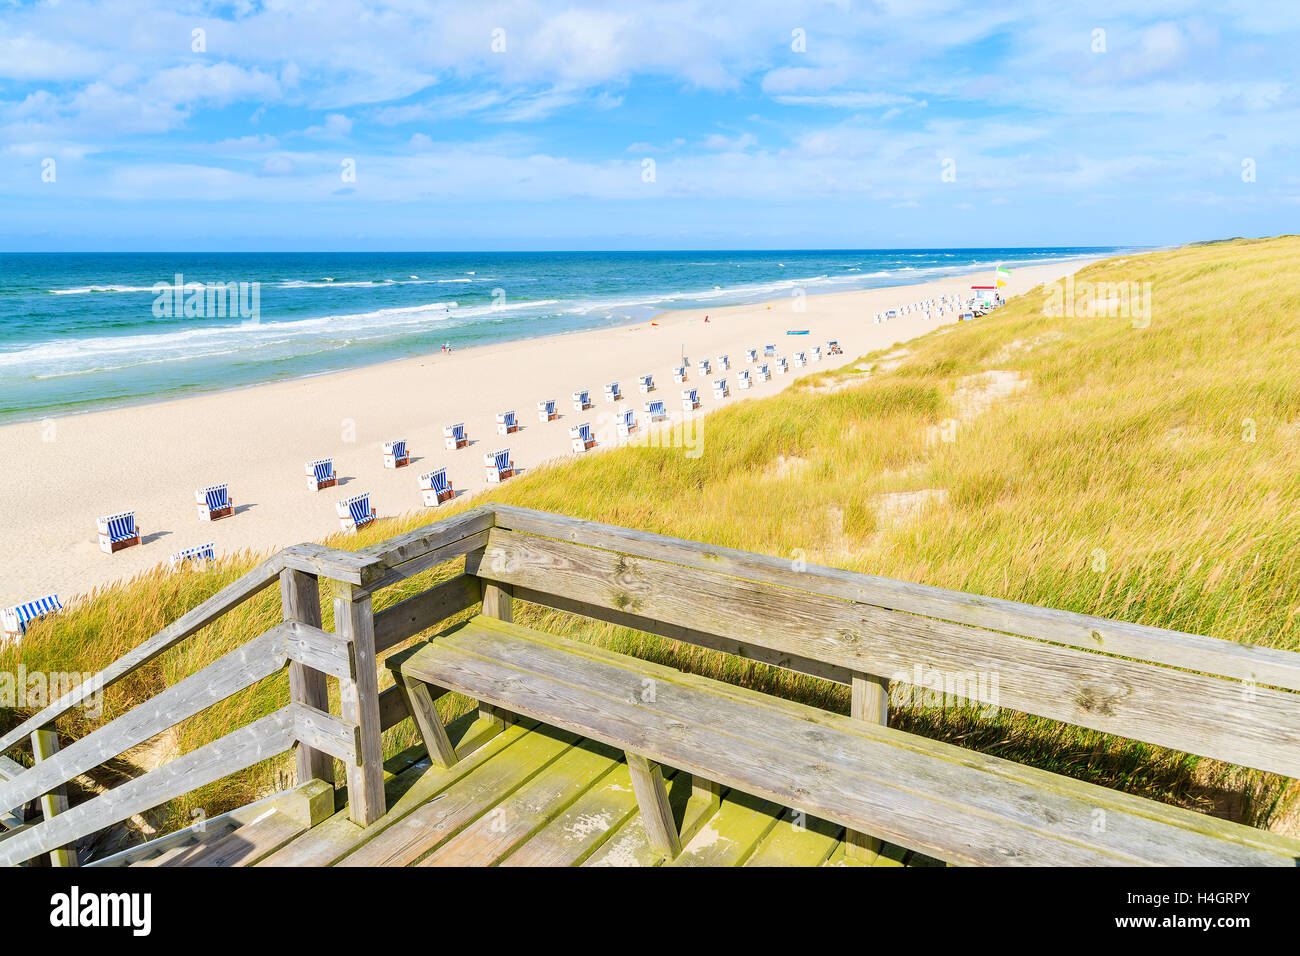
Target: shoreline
point(150, 457)
point(113, 405)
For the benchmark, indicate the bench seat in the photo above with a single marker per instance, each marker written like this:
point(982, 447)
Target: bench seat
point(957, 805)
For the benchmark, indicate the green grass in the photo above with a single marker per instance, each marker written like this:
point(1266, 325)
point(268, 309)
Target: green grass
point(1147, 474)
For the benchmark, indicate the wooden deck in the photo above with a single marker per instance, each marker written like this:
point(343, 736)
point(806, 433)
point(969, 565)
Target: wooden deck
point(527, 795)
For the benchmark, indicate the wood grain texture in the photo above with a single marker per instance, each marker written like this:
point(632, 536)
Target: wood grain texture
point(425, 610)
point(300, 602)
point(45, 744)
point(652, 799)
point(359, 705)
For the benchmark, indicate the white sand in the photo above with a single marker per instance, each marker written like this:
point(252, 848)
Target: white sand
point(151, 458)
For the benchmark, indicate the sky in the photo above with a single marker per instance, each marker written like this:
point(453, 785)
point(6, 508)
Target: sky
point(685, 124)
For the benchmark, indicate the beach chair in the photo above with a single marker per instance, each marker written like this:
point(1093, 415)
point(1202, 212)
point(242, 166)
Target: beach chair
point(435, 488)
point(626, 423)
point(751, 356)
point(581, 437)
point(703, 367)
point(742, 379)
point(833, 347)
point(201, 552)
point(612, 392)
point(117, 532)
point(506, 424)
point(499, 466)
point(320, 474)
point(453, 436)
point(214, 502)
point(679, 374)
point(656, 411)
point(782, 366)
point(395, 454)
point(355, 512)
point(546, 411)
point(646, 383)
point(769, 351)
point(690, 399)
point(800, 359)
point(724, 362)
point(14, 620)
point(720, 389)
point(582, 401)
point(763, 372)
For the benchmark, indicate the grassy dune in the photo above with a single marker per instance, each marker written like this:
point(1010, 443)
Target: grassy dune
point(1150, 474)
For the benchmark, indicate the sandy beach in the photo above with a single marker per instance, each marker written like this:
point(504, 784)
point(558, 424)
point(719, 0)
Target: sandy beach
point(60, 476)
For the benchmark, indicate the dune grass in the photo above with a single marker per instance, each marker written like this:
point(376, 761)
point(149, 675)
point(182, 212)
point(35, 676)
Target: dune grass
point(1150, 474)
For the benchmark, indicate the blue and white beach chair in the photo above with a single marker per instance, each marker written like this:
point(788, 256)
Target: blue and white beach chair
point(751, 356)
point(612, 392)
point(724, 362)
point(202, 552)
point(646, 383)
point(800, 359)
point(499, 466)
point(626, 423)
point(679, 374)
point(582, 400)
point(355, 512)
point(690, 399)
point(435, 488)
point(655, 410)
point(742, 379)
point(214, 502)
point(769, 351)
point(782, 366)
point(320, 474)
point(506, 424)
point(453, 436)
point(720, 389)
point(14, 620)
point(395, 454)
point(582, 438)
point(546, 411)
point(703, 367)
point(117, 532)
point(763, 373)
point(833, 347)
point(816, 353)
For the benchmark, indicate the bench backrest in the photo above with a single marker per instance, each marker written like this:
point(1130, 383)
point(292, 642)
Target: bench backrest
point(1197, 694)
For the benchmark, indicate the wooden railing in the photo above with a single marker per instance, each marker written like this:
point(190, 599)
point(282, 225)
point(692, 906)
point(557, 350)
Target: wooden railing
point(1197, 694)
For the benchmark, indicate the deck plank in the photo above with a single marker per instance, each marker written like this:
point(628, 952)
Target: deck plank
point(629, 845)
point(728, 839)
point(242, 846)
point(788, 844)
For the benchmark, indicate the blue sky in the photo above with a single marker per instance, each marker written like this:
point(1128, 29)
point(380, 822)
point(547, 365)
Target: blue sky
point(537, 125)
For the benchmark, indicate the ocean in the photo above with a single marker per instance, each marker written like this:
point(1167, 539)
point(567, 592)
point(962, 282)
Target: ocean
point(85, 330)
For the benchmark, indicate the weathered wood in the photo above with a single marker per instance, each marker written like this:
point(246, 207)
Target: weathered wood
point(229, 597)
point(300, 597)
point(317, 560)
point(946, 802)
point(869, 701)
point(425, 610)
point(498, 601)
point(320, 651)
point(45, 744)
point(242, 846)
point(268, 737)
point(1259, 665)
point(1209, 716)
point(227, 675)
point(322, 731)
point(359, 703)
point(431, 559)
point(417, 544)
point(419, 703)
point(652, 799)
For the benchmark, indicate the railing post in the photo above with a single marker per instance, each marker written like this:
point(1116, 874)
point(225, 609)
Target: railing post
point(45, 744)
point(870, 702)
point(359, 701)
point(498, 602)
point(300, 595)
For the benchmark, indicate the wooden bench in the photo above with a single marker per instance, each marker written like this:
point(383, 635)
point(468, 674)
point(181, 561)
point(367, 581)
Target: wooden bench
point(954, 804)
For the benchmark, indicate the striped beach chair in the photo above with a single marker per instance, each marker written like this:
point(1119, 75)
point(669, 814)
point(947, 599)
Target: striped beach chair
point(626, 423)
point(214, 502)
point(690, 399)
point(679, 374)
point(320, 474)
point(816, 353)
point(656, 411)
point(720, 389)
point(833, 347)
point(117, 532)
point(742, 379)
point(395, 454)
point(782, 366)
point(506, 423)
point(582, 400)
point(14, 620)
point(751, 356)
point(546, 411)
point(499, 466)
point(581, 438)
point(724, 362)
point(703, 367)
point(200, 552)
point(763, 373)
point(800, 359)
point(435, 488)
point(769, 351)
point(646, 384)
point(355, 512)
point(453, 436)
point(613, 393)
